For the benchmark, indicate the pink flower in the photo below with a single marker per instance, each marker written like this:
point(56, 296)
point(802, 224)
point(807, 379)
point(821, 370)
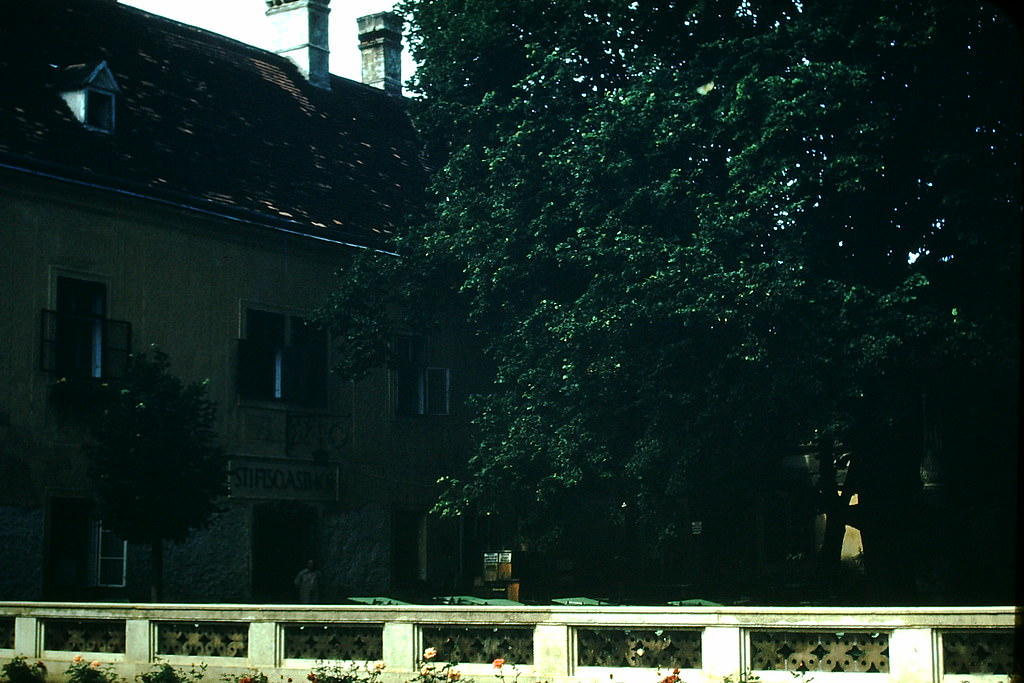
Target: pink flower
point(498, 663)
point(425, 671)
point(430, 653)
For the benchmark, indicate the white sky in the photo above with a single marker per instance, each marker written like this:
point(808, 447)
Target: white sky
point(246, 20)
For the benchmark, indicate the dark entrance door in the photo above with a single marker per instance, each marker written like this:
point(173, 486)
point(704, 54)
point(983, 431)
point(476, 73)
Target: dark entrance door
point(68, 552)
point(283, 540)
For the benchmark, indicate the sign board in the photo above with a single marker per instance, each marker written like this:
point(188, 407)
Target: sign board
point(281, 479)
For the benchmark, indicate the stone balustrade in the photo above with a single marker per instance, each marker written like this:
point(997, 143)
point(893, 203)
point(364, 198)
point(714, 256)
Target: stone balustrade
point(553, 644)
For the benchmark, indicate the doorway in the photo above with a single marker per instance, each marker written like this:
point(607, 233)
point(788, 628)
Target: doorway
point(283, 539)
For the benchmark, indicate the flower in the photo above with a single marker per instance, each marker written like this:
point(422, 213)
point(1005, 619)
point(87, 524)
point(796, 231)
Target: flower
point(77, 659)
point(379, 666)
point(95, 664)
point(311, 678)
point(673, 677)
point(430, 653)
point(425, 671)
point(498, 663)
point(454, 674)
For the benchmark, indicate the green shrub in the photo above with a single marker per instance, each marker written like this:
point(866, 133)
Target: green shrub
point(82, 671)
point(163, 672)
point(18, 670)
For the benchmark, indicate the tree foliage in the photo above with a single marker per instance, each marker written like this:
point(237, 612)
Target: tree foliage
point(157, 469)
point(694, 235)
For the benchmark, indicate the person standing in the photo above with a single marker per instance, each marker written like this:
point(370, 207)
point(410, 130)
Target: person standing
point(307, 582)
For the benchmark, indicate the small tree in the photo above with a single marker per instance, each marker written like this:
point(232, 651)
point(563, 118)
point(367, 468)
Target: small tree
point(156, 467)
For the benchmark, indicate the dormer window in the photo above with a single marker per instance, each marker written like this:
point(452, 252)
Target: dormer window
point(99, 110)
point(90, 91)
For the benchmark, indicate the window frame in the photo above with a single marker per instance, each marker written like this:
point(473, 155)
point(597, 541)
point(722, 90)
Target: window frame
point(98, 560)
point(416, 383)
point(63, 329)
point(100, 115)
point(290, 369)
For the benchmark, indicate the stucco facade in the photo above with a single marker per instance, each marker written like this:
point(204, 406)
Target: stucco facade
point(185, 282)
point(208, 218)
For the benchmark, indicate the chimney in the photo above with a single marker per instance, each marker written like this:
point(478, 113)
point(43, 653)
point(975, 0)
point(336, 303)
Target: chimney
point(380, 42)
point(300, 33)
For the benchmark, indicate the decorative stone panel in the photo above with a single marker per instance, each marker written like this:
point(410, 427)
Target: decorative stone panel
point(328, 642)
point(646, 648)
point(83, 635)
point(480, 645)
point(988, 651)
point(809, 651)
point(210, 639)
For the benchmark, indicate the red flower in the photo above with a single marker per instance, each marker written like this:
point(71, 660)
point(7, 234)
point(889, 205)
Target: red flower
point(498, 663)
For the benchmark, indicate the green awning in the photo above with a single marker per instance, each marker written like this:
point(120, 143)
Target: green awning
point(378, 600)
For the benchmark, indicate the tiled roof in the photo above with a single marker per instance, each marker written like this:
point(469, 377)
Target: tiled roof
point(205, 121)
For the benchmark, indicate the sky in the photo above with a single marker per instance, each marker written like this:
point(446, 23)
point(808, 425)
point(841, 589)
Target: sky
point(246, 20)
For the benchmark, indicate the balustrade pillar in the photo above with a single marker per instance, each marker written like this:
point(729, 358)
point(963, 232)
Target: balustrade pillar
point(27, 635)
point(263, 645)
point(138, 641)
point(723, 652)
point(912, 656)
point(400, 648)
point(552, 654)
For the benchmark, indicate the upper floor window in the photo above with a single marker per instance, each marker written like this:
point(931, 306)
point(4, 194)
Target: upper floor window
point(78, 340)
point(282, 358)
point(90, 91)
point(420, 389)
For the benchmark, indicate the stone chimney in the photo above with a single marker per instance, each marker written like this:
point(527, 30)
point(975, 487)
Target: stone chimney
point(299, 32)
point(380, 42)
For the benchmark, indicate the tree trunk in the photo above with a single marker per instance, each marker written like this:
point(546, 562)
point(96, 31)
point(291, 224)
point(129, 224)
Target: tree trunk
point(156, 571)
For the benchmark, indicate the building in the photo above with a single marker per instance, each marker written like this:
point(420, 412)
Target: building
point(161, 184)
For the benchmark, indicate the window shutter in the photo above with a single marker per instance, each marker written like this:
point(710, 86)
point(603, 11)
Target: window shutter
point(117, 347)
point(255, 372)
point(305, 365)
point(305, 376)
point(48, 342)
point(438, 385)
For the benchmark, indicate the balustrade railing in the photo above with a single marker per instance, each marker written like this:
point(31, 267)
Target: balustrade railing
point(554, 644)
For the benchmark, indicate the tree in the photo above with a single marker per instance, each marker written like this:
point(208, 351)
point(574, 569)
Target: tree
point(156, 468)
point(692, 236)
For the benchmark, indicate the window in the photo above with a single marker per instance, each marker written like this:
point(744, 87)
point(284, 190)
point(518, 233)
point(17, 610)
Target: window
point(419, 388)
point(282, 358)
point(78, 340)
point(90, 91)
point(108, 557)
point(99, 110)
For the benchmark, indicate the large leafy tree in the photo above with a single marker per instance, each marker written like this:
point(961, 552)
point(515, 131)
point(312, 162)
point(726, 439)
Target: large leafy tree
point(693, 235)
point(157, 469)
